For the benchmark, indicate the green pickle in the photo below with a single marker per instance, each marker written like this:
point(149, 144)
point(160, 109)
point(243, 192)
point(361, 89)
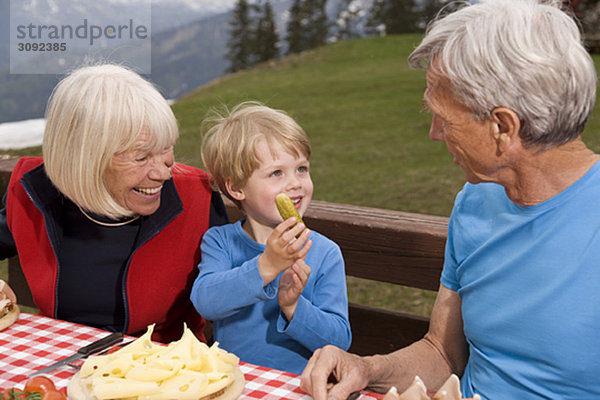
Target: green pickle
point(286, 208)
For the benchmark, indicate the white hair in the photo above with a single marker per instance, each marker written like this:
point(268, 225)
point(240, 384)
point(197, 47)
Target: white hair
point(526, 55)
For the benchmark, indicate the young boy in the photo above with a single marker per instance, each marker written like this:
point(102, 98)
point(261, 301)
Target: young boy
point(275, 291)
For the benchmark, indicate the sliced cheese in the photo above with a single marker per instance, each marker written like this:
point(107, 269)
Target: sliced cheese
point(185, 369)
point(116, 388)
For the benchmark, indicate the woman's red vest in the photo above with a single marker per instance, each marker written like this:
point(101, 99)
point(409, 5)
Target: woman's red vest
point(160, 274)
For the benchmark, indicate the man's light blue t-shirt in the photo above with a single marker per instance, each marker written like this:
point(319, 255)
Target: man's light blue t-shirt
point(529, 280)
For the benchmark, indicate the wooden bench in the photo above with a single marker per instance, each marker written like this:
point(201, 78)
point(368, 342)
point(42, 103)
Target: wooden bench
point(381, 245)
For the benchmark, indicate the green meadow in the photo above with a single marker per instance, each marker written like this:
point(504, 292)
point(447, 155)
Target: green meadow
point(361, 105)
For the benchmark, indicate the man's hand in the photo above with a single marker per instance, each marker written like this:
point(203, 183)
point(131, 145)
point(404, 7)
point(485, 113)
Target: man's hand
point(292, 283)
point(283, 249)
point(349, 372)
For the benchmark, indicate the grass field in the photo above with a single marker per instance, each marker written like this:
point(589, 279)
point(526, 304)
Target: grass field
point(361, 106)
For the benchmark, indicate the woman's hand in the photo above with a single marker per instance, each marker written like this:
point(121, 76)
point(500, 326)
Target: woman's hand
point(283, 249)
point(292, 283)
point(349, 371)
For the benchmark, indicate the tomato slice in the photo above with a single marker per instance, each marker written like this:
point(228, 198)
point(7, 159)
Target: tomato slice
point(54, 395)
point(36, 388)
point(40, 384)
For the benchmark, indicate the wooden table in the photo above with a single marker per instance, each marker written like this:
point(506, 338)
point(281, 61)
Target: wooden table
point(34, 342)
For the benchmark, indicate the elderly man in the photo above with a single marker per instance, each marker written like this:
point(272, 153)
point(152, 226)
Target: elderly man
point(510, 88)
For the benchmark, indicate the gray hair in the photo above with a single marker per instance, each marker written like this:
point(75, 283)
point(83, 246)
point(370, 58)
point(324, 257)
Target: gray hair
point(526, 55)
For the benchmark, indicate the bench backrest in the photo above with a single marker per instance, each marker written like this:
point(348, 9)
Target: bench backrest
point(387, 246)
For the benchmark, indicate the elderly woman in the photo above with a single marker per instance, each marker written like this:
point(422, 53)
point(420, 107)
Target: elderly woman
point(107, 226)
point(517, 315)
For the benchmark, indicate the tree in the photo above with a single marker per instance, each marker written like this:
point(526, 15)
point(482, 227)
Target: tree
point(240, 42)
point(253, 35)
point(294, 28)
point(317, 27)
point(429, 9)
point(393, 17)
point(589, 12)
point(307, 26)
point(375, 24)
point(265, 34)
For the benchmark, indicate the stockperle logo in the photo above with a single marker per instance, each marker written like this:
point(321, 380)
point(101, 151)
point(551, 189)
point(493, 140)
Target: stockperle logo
point(56, 36)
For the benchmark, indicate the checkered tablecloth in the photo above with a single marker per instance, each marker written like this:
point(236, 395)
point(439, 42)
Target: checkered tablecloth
point(34, 342)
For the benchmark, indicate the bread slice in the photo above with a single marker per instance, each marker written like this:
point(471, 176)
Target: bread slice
point(9, 313)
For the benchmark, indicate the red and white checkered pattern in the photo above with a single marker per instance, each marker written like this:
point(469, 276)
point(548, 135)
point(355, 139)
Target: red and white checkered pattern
point(34, 342)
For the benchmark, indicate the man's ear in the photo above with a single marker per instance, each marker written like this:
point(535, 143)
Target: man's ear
point(234, 192)
point(506, 127)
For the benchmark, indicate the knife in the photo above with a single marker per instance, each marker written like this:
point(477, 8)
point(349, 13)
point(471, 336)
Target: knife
point(83, 352)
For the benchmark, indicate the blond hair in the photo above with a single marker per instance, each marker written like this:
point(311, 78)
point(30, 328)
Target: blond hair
point(229, 145)
point(93, 114)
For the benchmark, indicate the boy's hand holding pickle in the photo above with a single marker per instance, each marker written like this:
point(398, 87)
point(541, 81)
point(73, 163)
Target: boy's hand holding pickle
point(283, 248)
point(293, 281)
point(287, 243)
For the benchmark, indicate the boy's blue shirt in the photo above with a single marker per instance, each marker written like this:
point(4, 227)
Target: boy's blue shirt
point(247, 319)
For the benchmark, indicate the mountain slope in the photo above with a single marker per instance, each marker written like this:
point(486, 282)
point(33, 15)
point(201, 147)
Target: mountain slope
point(360, 104)
point(189, 56)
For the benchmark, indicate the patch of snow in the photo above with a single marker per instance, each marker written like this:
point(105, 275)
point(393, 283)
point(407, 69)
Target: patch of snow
point(22, 134)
